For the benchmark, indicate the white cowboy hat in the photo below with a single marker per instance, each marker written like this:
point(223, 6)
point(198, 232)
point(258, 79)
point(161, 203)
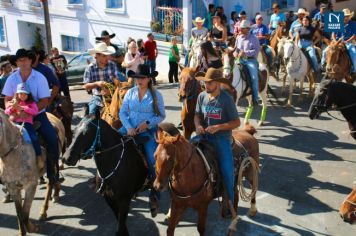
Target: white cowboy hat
point(102, 48)
point(347, 12)
point(302, 11)
point(198, 20)
point(245, 24)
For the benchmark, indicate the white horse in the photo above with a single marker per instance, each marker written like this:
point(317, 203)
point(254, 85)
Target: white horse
point(195, 52)
point(241, 85)
point(297, 68)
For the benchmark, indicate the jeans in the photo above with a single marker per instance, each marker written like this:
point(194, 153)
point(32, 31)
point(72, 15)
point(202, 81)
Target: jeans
point(34, 138)
point(308, 46)
point(50, 137)
point(186, 58)
point(95, 104)
point(64, 84)
point(352, 53)
point(252, 66)
point(152, 65)
point(222, 144)
point(269, 55)
point(173, 72)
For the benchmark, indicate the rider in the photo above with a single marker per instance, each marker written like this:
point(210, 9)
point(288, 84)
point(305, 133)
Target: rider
point(247, 47)
point(215, 116)
point(209, 57)
point(305, 36)
point(276, 18)
point(142, 110)
point(39, 89)
point(98, 73)
point(199, 31)
point(218, 33)
point(298, 22)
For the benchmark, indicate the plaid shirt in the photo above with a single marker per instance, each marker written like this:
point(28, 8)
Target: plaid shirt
point(93, 73)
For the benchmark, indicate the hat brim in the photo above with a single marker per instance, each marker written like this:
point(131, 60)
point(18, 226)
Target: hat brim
point(195, 22)
point(351, 14)
point(305, 13)
point(110, 36)
point(109, 51)
point(219, 80)
point(22, 91)
point(139, 76)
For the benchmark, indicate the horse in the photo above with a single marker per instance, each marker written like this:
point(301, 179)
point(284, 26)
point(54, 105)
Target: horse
point(63, 110)
point(338, 62)
point(179, 166)
point(242, 88)
point(196, 51)
point(121, 167)
point(263, 58)
point(342, 95)
point(297, 68)
point(280, 32)
point(189, 89)
point(347, 210)
point(110, 112)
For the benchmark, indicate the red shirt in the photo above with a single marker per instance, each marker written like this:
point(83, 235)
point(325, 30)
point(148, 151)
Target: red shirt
point(150, 49)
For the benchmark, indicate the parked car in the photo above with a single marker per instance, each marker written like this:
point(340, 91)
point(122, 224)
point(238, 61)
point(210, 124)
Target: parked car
point(76, 68)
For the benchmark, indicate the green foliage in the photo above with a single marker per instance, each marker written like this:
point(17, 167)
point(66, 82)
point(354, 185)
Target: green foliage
point(38, 40)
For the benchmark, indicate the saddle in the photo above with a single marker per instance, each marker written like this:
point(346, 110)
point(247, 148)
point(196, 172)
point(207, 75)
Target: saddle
point(245, 75)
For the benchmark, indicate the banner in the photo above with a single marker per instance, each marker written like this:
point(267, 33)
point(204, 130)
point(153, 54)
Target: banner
point(334, 22)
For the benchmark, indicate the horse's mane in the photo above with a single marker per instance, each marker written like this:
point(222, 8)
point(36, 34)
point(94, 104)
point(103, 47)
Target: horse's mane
point(168, 133)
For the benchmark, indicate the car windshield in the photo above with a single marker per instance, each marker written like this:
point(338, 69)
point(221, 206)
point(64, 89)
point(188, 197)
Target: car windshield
point(81, 60)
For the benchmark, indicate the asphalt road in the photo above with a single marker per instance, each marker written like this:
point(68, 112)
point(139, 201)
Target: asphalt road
point(307, 170)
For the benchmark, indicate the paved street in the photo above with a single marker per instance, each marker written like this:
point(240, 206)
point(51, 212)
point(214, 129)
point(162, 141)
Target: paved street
point(307, 170)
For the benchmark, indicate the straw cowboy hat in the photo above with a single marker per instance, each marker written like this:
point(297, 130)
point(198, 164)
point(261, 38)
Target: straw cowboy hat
point(104, 34)
point(245, 24)
point(302, 11)
point(212, 75)
point(198, 20)
point(102, 48)
point(347, 12)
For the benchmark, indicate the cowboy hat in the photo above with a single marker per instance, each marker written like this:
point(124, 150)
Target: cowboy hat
point(102, 48)
point(347, 12)
point(212, 75)
point(245, 24)
point(302, 11)
point(323, 5)
point(143, 71)
point(198, 20)
point(104, 34)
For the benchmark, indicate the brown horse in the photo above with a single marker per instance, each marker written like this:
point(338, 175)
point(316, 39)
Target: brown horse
point(338, 63)
point(348, 208)
point(179, 165)
point(189, 89)
point(279, 33)
point(110, 112)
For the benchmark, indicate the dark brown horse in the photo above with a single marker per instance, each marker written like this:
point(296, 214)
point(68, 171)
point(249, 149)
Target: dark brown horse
point(63, 110)
point(179, 165)
point(348, 208)
point(338, 63)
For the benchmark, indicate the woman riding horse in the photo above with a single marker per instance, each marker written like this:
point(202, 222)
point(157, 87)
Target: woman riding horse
point(142, 110)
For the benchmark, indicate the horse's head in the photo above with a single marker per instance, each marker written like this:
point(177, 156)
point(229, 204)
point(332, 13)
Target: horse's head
point(166, 154)
point(348, 207)
point(228, 60)
point(188, 85)
point(334, 64)
point(280, 46)
point(320, 102)
point(86, 137)
point(288, 49)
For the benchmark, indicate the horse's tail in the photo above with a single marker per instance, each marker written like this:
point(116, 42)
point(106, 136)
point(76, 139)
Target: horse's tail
point(250, 129)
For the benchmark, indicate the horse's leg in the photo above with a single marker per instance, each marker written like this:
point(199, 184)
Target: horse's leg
point(249, 110)
point(16, 197)
point(43, 212)
point(300, 99)
point(312, 79)
point(253, 209)
point(29, 195)
point(263, 96)
point(291, 83)
point(57, 189)
point(176, 213)
point(124, 208)
point(202, 214)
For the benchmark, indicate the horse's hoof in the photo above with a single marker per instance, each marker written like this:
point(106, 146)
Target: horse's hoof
point(260, 123)
point(288, 105)
point(42, 180)
point(61, 166)
point(32, 228)
point(7, 199)
point(55, 199)
point(43, 216)
point(252, 212)
point(166, 220)
point(230, 232)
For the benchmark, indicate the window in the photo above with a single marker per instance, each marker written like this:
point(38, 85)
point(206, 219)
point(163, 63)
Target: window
point(75, 1)
point(2, 32)
point(114, 3)
point(72, 44)
point(267, 4)
point(34, 3)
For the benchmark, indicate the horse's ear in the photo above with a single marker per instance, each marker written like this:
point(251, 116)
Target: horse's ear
point(340, 40)
point(278, 39)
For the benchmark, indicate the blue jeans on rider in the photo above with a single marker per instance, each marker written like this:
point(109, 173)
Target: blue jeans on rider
point(34, 138)
point(150, 148)
point(222, 144)
point(351, 48)
point(95, 104)
point(222, 45)
point(308, 45)
point(50, 136)
point(269, 55)
point(252, 66)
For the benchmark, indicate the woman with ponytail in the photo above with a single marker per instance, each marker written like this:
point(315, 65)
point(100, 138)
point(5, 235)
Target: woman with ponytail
point(142, 110)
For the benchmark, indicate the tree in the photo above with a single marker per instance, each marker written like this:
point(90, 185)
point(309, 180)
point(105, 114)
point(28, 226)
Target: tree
point(38, 39)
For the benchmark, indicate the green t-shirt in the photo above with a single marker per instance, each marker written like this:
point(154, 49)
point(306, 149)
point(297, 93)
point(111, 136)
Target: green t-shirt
point(170, 55)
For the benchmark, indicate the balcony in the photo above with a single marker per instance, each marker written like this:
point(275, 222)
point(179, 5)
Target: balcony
point(167, 22)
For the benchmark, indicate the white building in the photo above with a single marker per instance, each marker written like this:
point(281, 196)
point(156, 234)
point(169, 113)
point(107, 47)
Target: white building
point(76, 23)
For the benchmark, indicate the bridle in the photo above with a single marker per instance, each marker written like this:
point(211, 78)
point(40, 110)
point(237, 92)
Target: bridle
point(293, 60)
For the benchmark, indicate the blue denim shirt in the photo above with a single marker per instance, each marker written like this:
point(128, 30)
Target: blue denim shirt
point(133, 112)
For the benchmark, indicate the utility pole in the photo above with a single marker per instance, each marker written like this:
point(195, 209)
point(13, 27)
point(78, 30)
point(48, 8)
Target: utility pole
point(47, 25)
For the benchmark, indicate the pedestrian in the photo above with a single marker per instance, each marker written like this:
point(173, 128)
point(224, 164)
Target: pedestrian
point(59, 62)
point(209, 17)
point(6, 70)
point(152, 53)
point(98, 73)
point(277, 18)
point(106, 38)
point(133, 57)
point(118, 59)
point(173, 61)
point(232, 22)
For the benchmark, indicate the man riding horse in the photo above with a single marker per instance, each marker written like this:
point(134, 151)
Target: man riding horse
point(215, 117)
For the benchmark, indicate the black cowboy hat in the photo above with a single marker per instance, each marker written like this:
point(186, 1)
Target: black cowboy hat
point(104, 34)
point(143, 71)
